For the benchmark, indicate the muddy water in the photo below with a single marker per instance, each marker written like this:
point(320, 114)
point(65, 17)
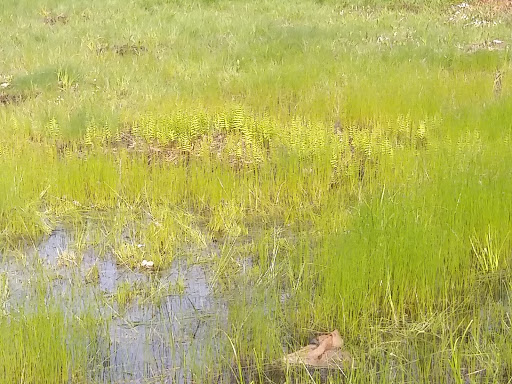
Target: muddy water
point(160, 336)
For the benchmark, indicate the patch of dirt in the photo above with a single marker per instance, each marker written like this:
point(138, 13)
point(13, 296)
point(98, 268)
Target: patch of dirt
point(11, 98)
point(123, 49)
point(127, 49)
point(493, 9)
point(496, 5)
point(176, 151)
point(170, 152)
point(153, 151)
point(494, 45)
point(481, 12)
point(51, 18)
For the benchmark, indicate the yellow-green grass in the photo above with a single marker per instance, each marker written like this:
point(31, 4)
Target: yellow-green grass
point(45, 346)
point(357, 153)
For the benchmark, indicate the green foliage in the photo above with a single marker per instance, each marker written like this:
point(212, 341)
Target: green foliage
point(348, 161)
point(43, 347)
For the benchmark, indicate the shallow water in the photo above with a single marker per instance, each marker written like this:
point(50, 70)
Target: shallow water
point(159, 336)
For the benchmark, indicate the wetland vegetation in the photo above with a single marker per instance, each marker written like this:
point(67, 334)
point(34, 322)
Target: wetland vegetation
point(190, 190)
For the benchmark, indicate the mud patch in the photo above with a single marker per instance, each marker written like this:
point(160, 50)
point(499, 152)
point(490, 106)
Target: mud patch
point(52, 18)
point(496, 5)
point(122, 49)
point(11, 98)
point(182, 151)
point(127, 49)
point(480, 13)
point(493, 45)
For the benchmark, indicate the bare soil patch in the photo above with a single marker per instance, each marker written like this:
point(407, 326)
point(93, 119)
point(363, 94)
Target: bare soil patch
point(51, 18)
point(122, 49)
point(11, 98)
point(496, 4)
point(127, 49)
point(494, 45)
point(494, 7)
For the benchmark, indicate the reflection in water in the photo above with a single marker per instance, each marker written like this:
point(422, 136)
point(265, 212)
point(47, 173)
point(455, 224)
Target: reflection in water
point(160, 336)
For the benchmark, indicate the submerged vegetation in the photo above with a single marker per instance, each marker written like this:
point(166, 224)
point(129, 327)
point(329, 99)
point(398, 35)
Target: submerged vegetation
point(329, 164)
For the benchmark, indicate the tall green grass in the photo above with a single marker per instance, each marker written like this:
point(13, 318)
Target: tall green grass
point(339, 165)
point(44, 346)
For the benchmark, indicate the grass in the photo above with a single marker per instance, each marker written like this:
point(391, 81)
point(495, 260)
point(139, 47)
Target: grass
point(43, 346)
point(348, 160)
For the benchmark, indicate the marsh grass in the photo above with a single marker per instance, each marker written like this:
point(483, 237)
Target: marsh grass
point(338, 166)
point(45, 347)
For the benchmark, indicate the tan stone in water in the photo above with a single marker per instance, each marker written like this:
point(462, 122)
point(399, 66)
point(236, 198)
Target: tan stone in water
point(328, 353)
